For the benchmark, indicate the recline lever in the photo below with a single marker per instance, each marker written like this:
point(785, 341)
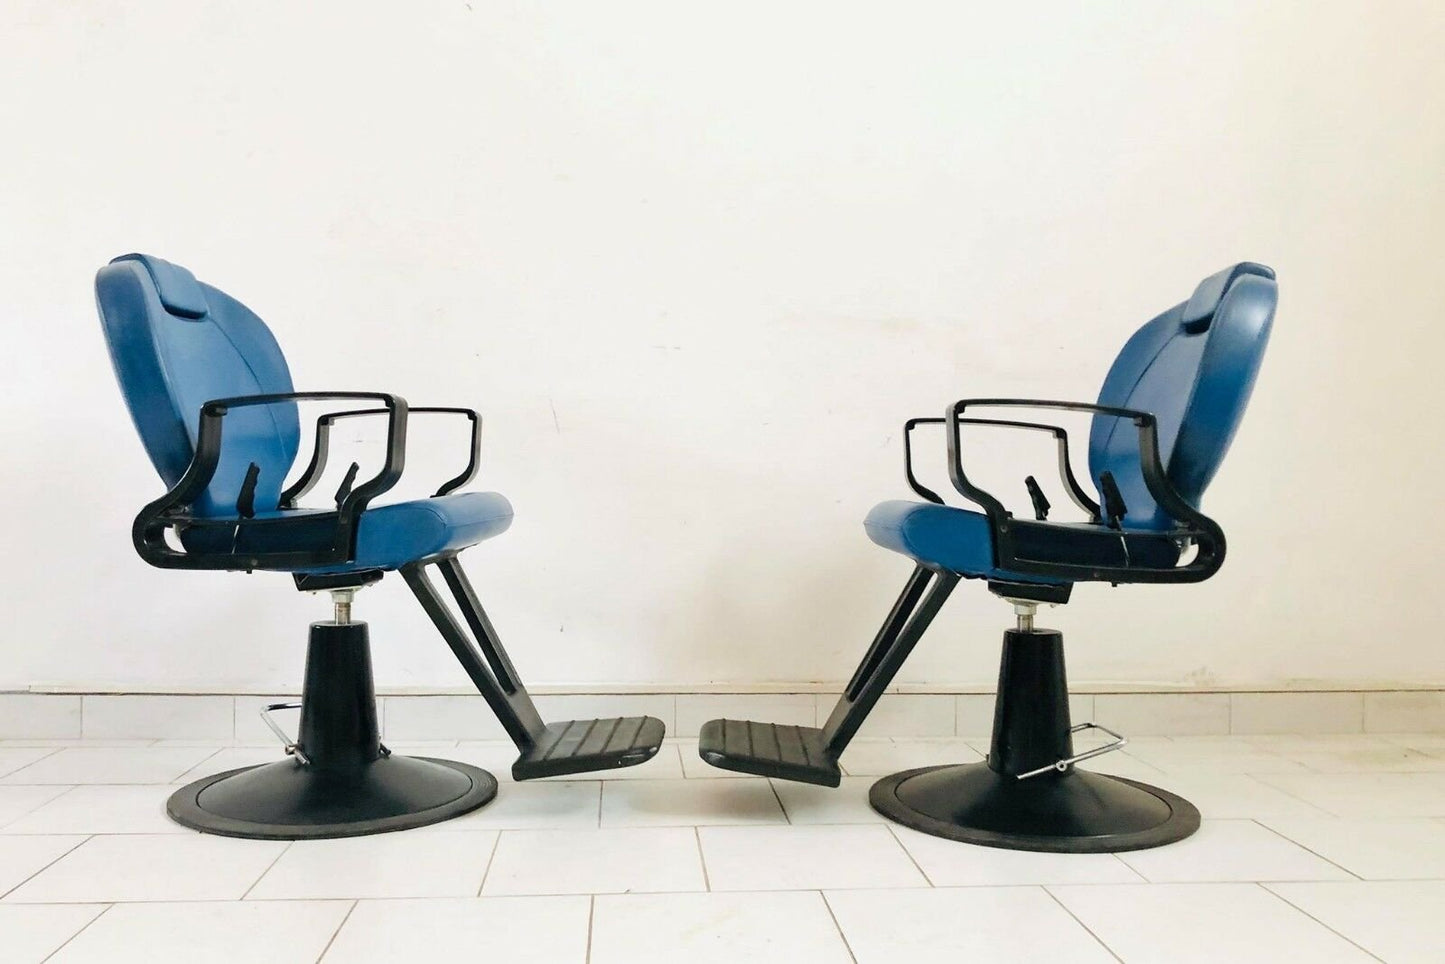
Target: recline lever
point(1037, 497)
point(1114, 507)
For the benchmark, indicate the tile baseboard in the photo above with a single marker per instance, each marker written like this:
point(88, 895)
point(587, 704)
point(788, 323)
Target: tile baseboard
point(821, 687)
point(422, 717)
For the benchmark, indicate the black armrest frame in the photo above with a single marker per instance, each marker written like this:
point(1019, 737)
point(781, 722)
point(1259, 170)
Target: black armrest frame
point(314, 470)
point(173, 510)
point(1061, 437)
point(1193, 525)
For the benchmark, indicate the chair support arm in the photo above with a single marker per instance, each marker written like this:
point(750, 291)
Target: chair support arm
point(148, 530)
point(317, 466)
point(1195, 526)
point(1061, 437)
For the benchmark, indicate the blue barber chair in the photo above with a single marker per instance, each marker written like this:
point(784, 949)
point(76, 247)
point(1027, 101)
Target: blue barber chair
point(1165, 417)
point(212, 399)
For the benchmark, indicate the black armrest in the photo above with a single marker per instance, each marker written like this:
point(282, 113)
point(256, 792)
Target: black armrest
point(1061, 437)
point(172, 509)
point(1193, 525)
point(317, 466)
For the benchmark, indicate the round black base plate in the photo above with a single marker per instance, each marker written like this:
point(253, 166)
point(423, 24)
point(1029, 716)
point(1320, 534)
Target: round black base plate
point(289, 801)
point(1077, 812)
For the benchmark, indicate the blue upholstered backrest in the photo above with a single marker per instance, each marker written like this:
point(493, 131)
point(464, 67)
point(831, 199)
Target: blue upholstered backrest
point(176, 344)
point(1193, 367)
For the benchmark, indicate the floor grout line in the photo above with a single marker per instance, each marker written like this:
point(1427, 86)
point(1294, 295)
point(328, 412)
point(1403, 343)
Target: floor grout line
point(106, 910)
point(904, 847)
point(787, 817)
point(181, 779)
point(1086, 927)
point(262, 874)
point(491, 855)
point(344, 918)
point(1264, 779)
point(40, 759)
point(591, 916)
point(68, 851)
point(1132, 869)
point(702, 860)
point(1281, 897)
point(21, 816)
point(1259, 821)
point(832, 914)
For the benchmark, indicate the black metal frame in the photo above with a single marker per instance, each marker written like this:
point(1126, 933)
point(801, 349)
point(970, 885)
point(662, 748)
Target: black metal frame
point(907, 621)
point(1193, 527)
point(1066, 472)
point(567, 747)
point(322, 449)
point(481, 655)
point(809, 754)
point(172, 510)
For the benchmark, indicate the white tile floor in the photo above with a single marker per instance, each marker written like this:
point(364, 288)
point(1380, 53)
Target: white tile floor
point(1317, 848)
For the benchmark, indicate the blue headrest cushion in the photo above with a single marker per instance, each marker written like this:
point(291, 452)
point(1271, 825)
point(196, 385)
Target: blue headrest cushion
point(1200, 308)
point(178, 289)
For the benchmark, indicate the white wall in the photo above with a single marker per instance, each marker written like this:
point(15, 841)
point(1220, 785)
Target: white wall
point(696, 264)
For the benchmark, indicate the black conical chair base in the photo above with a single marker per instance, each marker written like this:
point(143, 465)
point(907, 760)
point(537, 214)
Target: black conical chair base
point(291, 801)
point(1074, 813)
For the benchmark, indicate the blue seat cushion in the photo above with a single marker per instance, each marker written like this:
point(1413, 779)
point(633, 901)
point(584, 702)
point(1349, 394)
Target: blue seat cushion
point(961, 541)
point(387, 536)
point(393, 535)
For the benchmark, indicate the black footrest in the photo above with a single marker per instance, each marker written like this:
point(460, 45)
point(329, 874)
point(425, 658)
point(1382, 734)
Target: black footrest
point(769, 750)
point(582, 746)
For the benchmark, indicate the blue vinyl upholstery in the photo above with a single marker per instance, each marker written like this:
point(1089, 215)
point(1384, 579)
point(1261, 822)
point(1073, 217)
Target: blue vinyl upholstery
point(1194, 368)
point(960, 540)
point(177, 343)
point(387, 536)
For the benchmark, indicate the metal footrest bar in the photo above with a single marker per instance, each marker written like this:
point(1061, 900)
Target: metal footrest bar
point(287, 743)
point(1063, 765)
point(291, 747)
